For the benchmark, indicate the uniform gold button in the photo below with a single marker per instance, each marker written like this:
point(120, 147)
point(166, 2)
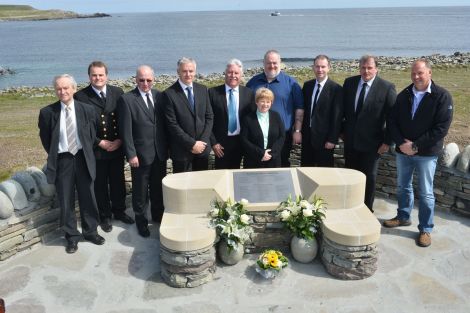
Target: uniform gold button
point(115, 134)
point(104, 122)
point(112, 113)
point(102, 115)
point(104, 136)
point(104, 129)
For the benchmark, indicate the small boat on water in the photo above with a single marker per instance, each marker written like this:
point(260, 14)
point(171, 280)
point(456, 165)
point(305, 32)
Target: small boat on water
point(276, 13)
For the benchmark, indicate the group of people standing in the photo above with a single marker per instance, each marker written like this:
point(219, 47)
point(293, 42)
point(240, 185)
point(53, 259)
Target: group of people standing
point(87, 134)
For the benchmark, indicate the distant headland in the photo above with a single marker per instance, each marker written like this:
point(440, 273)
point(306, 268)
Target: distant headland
point(28, 13)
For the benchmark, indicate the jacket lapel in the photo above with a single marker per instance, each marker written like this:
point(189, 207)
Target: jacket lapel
point(182, 95)
point(142, 105)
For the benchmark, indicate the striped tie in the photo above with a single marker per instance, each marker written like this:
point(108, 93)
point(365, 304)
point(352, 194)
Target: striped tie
point(71, 131)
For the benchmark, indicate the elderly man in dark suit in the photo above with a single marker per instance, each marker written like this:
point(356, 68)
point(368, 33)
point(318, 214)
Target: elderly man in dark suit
point(323, 113)
point(110, 190)
point(67, 129)
point(230, 103)
point(367, 101)
point(189, 120)
point(144, 140)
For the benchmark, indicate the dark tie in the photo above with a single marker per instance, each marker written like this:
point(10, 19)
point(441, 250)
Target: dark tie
point(360, 100)
point(149, 103)
point(71, 131)
point(232, 112)
point(315, 99)
point(103, 97)
point(190, 97)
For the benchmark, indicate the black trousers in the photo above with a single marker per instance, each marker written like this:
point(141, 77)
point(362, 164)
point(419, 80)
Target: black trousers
point(72, 174)
point(233, 153)
point(110, 188)
point(147, 191)
point(311, 156)
point(194, 165)
point(286, 148)
point(367, 163)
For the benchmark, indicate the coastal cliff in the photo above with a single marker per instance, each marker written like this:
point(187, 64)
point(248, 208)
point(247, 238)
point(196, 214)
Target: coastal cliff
point(28, 13)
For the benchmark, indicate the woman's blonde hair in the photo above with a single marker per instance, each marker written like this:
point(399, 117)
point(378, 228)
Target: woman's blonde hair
point(264, 93)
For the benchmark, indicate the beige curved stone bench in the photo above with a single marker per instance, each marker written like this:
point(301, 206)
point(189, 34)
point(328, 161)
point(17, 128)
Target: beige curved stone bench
point(187, 196)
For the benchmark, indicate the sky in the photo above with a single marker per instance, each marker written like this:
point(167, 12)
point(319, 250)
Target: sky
point(121, 6)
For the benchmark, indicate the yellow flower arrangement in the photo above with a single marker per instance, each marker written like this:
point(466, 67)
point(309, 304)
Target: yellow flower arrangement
point(272, 259)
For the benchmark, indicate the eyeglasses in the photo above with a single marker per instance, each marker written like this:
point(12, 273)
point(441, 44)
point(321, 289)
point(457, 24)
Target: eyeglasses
point(145, 80)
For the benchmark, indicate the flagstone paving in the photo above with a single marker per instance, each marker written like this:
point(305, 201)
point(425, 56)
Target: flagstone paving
point(123, 276)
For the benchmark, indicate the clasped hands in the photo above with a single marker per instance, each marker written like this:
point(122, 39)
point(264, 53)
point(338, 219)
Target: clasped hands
point(198, 147)
point(407, 147)
point(110, 145)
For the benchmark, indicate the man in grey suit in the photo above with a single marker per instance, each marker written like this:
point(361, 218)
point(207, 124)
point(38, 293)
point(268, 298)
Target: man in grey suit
point(367, 102)
point(144, 140)
point(189, 119)
point(67, 129)
point(323, 113)
point(230, 103)
point(110, 189)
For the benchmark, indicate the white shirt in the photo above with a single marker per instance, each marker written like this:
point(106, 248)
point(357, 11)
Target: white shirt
point(97, 91)
point(322, 84)
point(63, 142)
point(144, 96)
point(236, 97)
point(417, 97)
point(359, 88)
point(184, 88)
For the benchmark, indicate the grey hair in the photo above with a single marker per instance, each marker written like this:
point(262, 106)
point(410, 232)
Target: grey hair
point(68, 76)
point(185, 60)
point(144, 67)
point(366, 58)
point(236, 62)
point(426, 62)
point(271, 51)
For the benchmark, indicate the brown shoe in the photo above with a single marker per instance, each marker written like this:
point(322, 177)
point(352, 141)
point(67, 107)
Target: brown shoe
point(424, 239)
point(395, 222)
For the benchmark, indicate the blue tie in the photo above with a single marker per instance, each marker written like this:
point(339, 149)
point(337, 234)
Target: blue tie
point(190, 97)
point(232, 113)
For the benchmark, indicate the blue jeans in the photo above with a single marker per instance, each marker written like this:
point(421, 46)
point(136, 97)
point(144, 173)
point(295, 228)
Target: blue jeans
point(425, 167)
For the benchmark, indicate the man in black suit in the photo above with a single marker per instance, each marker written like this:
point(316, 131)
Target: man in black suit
point(110, 189)
point(143, 132)
point(189, 120)
point(367, 101)
point(230, 103)
point(67, 129)
point(323, 113)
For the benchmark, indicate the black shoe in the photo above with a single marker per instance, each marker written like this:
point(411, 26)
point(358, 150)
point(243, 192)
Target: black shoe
point(72, 246)
point(106, 225)
point(96, 239)
point(123, 217)
point(143, 230)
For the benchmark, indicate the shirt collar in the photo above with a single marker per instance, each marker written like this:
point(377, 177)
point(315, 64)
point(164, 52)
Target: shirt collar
point(98, 91)
point(428, 89)
point(227, 88)
point(144, 94)
point(183, 85)
point(369, 83)
point(71, 105)
point(322, 84)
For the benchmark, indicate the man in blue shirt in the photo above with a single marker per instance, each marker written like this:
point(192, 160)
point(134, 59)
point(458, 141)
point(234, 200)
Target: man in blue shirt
point(288, 100)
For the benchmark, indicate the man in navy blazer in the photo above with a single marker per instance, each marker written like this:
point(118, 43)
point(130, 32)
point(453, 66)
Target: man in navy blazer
point(189, 120)
point(367, 101)
point(225, 137)
point(110, 189)
point(323, 114)
point(67, 129)
point(145, 145)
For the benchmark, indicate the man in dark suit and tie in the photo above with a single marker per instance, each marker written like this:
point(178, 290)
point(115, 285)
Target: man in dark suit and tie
point(143, 132)
point(189, 120)
point(367, 101)
point(67, 129)
point(230, 103)
point(323, 113)
point(110, 190)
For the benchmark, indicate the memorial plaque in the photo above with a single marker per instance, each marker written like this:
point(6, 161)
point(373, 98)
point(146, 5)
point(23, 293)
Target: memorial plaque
point(263, 186)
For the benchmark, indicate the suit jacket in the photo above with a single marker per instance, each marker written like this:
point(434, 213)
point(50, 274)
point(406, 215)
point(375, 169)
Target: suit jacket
point(253, 143)
point(143, 133)
point(185, 127)
point(107, 127)
point(49, 132)
point(366, 131)
point(327, 115)
point(218, 99)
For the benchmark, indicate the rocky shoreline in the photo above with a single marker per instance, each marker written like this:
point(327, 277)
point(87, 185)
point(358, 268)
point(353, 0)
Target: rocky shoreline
point(385, 63)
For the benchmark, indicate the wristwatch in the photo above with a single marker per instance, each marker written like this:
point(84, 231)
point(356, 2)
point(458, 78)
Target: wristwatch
point(297, 130)
point(414, 147)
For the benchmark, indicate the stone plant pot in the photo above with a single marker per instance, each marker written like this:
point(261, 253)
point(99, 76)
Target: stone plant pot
point(303, 251)
point(230, 256)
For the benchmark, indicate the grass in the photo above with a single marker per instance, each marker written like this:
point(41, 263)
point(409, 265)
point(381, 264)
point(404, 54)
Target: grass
point(20, 145)
point(26, 12)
